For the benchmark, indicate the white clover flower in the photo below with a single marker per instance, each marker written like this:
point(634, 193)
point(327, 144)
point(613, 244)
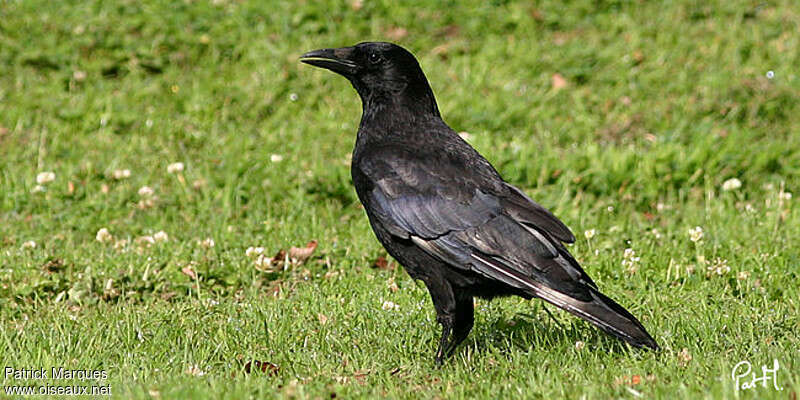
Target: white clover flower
point(161, 236)
point(389, 306)
point(37, 189)
point(145, 241)
point(293, 96)
point(785, 195)
point(589, 234)
point(120, 244)
point(206, 243)
point(175, 167)
point(45, 177)
point(731, 184)
point(146, 191)
point(719, 267)
point(30, 244)
point(194, 370)
point(262, 262)
point(103, 236)
point(742, 275)
point(254, 251)
point(579, 345)
point(629, 260)
point(276, 158)
point(696, 234)
point(120, 174)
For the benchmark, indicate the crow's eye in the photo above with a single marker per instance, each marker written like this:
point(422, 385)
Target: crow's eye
point(374, 58)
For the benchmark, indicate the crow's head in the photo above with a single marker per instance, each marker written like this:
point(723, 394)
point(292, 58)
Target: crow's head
point(380, 72)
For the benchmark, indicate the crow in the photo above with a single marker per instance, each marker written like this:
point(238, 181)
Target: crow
point(444, 212)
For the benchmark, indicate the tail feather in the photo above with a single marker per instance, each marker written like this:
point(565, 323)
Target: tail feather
point(603, 313)
point(599, 310)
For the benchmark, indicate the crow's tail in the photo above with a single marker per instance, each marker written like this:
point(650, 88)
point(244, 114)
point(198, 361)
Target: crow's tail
point(602, 312)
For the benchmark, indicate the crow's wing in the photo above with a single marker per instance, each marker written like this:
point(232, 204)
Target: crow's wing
point(467, 216)
point(462, 213)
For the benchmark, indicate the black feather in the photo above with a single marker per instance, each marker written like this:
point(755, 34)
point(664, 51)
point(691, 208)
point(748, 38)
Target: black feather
point(445, 213)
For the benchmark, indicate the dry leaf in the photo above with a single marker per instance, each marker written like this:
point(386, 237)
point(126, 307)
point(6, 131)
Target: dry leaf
point(299, 255)
point(441, 50)
point(558, 82)
point(322, 319)
point(195, 370)
point(188, 271)
point(397, 33)
point(382, 263)
point(53, 265)
point(684, 357)
point(264, 366)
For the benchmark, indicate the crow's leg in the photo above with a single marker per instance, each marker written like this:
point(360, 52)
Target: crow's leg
point(444, 301)
point(442, 351)
point(464, 320)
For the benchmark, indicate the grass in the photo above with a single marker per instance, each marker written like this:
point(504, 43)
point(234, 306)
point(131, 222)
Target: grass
point(663, 103)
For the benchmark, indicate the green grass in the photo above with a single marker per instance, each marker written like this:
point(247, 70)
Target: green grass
point(664, 102)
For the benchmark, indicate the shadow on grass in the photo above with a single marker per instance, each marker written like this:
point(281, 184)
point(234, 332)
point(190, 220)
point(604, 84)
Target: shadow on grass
point(526, 332)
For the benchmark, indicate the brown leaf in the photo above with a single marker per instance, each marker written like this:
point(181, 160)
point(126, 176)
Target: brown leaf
point(188, 271)
point(397, 33)
point(441, 50)
point(360, 376)
point(382, 263)
point(299, 255)
point(449, 31)
point(558, 82)
point(70, 187)
point(322, 319)
point(265, 367)
point(53, 265)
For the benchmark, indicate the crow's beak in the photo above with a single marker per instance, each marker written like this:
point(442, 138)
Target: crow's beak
point(336, 60)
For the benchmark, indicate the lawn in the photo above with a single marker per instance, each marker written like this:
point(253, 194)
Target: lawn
point(168, 167)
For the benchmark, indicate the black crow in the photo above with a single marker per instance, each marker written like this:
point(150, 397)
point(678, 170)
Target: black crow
point(446, 214)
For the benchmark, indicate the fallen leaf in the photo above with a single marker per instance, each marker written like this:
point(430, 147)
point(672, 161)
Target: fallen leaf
point(299, 255)
point(449, 31)
point(360, 376)
point(322, 319)
point(558, 82)
point(684, 357)
point(264, 366)
point(53, 265)
point(382, 263)
point(397, 33)
point(194, 370)
point(441, 50)
point(188, 271)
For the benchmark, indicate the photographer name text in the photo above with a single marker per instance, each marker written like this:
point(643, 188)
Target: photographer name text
point(54, 373)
